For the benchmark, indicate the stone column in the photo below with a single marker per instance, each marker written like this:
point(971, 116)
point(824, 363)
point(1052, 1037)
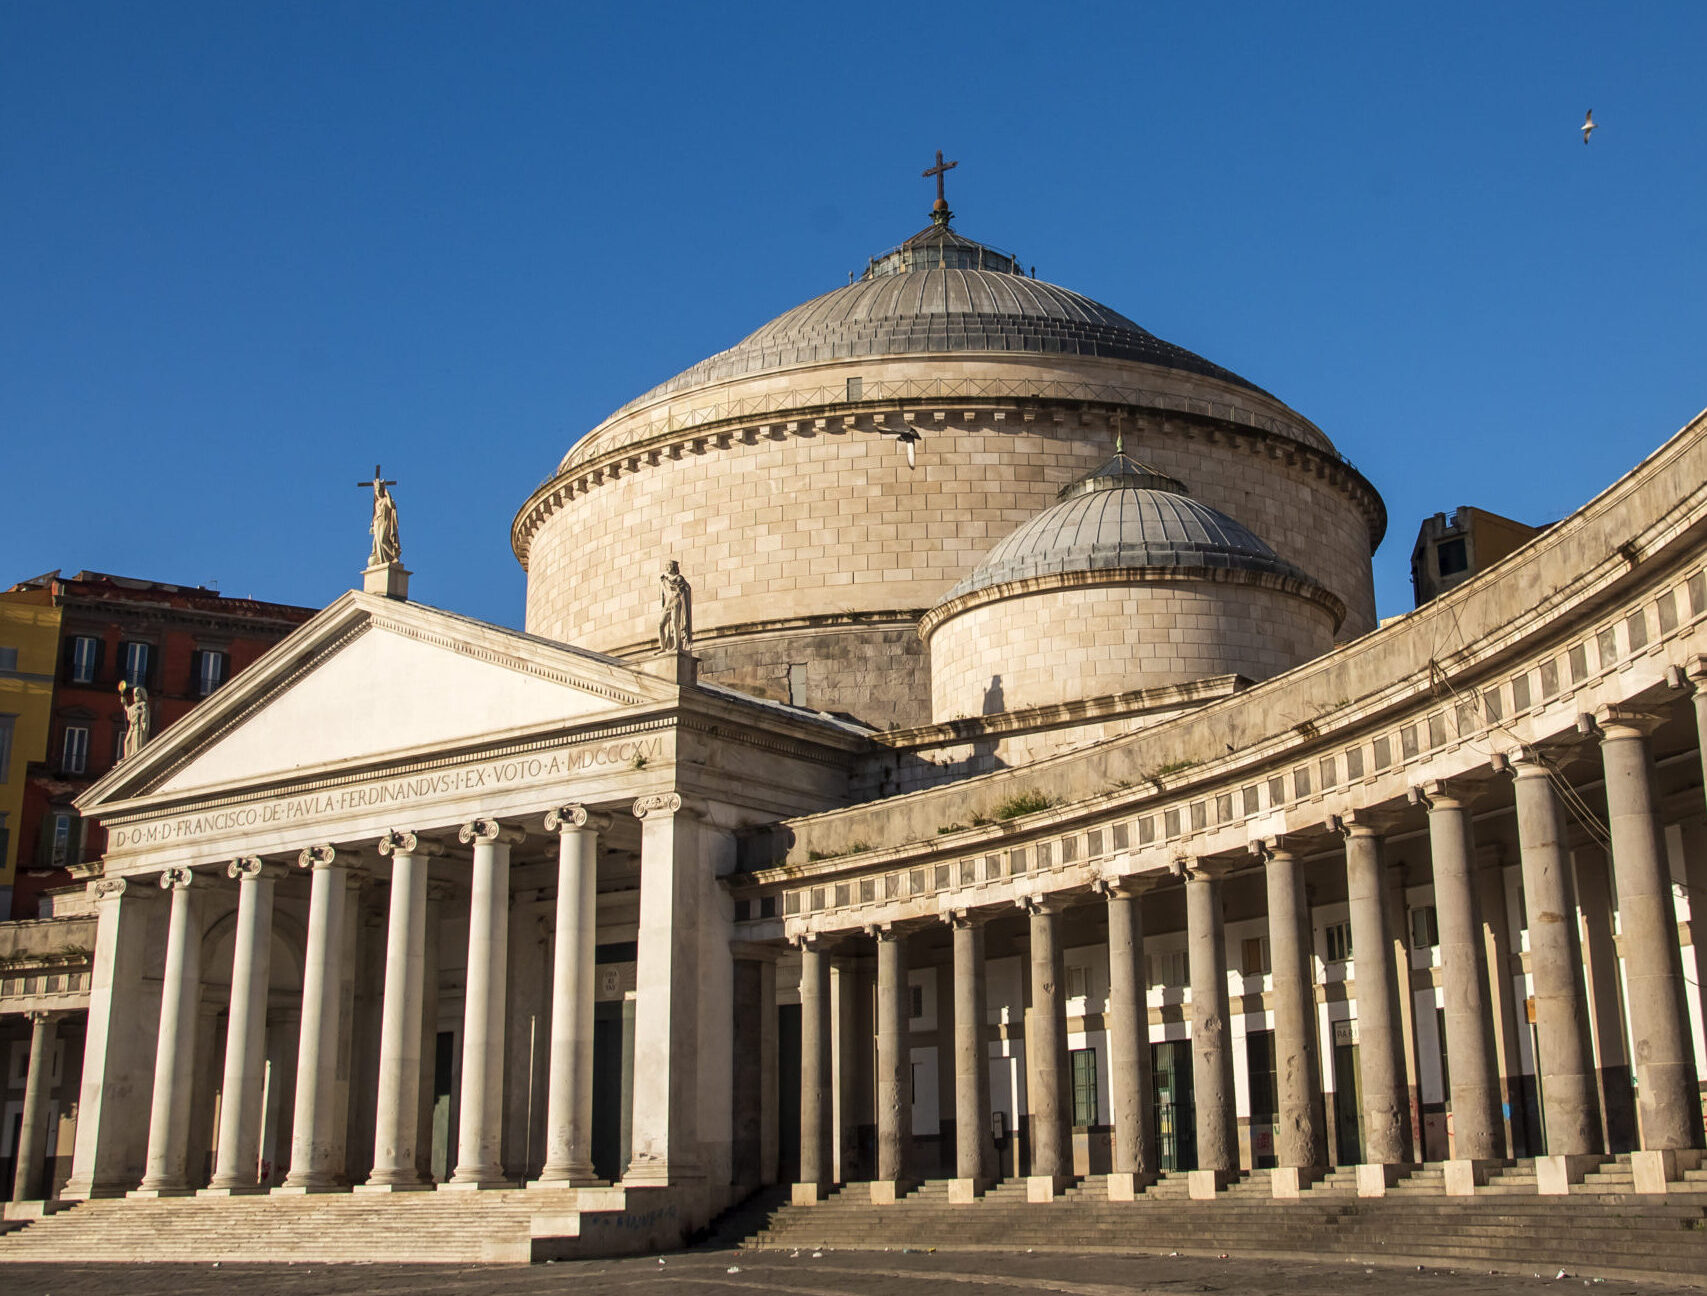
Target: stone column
point(665, 1122)
point(1477, 1123)
point(894, 1068)
point(312, 1167)
point(1211, 1051)
point(1380, 1045)
point(236, 1163)
point(175, 1054)
point(29, 1179)
point(397, 1112)
point(816, 1099)
point(1603, 967)
point(1128, 1018)
point(569, 1085)
point(112, 1126)
point(479, 1150)
point(1046, 1059)
point(1667, 1098)
point(1301, 1144)
point(1564, 1054)
point(974, 1148)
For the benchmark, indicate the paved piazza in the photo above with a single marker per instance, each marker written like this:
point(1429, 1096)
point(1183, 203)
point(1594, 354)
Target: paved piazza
point(831, 1273)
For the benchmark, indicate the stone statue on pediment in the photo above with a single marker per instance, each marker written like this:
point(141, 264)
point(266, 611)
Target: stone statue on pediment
point(675, 620)
point(137, 720)
point(387, 547)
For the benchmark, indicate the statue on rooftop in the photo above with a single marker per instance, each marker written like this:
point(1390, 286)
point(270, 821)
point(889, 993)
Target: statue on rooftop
point(387, 548)
point(675, 622)
point(137, 720)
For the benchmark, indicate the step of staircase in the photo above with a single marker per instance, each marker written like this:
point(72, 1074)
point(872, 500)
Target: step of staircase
point(1508, 1225)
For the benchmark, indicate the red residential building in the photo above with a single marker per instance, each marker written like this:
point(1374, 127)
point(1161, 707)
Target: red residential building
point(180, 642)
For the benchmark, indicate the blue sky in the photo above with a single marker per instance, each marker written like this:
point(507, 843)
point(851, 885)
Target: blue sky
point(246, 250)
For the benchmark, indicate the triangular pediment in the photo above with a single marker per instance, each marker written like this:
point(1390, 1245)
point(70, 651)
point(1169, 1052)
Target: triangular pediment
point(368, 679)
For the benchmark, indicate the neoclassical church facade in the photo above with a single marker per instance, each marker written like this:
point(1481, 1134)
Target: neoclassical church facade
point(1031, 794)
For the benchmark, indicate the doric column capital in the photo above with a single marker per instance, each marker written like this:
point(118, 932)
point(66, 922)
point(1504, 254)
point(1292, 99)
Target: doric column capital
point(1035, 905)
point(1267, 848)
point(1438, 794)
point(248, 868)
point(176, 878)
point(400, 842)
point(881, 932)
point(1695, 671)
point(1357, 823)
point(955, 919)
point(1126, 888)
point(804, 941)
point(576, 818)
point(484, 832)
point(1619, 721)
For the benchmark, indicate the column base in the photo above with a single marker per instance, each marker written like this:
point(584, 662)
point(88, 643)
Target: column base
point(233, 1190)
point(542, 1184)
point(1045, 1188)
point(1654, 1171)
point(963, 1192)
point(1125, 1186)
point(808, 1194)
point(1289, 1183)
point(474, 1185)
point(886, 1192)
point(1202, 1185)
point(1554, 1175)
point(1375, 1180)
point(147, 1192)
point(33, 1210)
point(418, 1185)
point(1464, 1176)
point(308, 1189)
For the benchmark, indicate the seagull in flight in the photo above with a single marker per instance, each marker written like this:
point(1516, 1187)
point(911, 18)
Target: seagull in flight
point(1588, 125)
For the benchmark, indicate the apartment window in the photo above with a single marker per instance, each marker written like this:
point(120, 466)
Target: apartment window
point(137, 658)
point(1078, 982)
point(1339, 941)
point(74, 753)
point(915, 1002)
point(1253, 959)
point(1452, 556)
point(59, 847)
point(84, 659)
point(1425, 927)
point(1168, 969)
point(211, 668)
point(1084, 1063)
point(6, 723)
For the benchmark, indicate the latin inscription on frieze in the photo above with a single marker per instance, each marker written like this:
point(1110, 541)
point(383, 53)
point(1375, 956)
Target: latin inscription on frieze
point(494, 776)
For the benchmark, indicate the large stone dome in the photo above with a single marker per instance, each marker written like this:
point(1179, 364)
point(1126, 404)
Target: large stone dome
point(939, 292)
point(828, 480)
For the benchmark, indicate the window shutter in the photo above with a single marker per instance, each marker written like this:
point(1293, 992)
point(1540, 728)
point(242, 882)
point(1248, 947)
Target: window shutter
point(100, 658)
point(68, 664)
point(194, 688)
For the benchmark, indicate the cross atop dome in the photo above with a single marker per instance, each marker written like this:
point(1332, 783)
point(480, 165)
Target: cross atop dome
point(940, 214)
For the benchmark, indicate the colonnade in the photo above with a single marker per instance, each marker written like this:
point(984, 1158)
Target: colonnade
point(664, 1100)
point(1669, 1106)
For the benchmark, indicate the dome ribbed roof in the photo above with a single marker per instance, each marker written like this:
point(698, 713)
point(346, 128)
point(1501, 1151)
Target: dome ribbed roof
point(940, 292)
point(1124, 515)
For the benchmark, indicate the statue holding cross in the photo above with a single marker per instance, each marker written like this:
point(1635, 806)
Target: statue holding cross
point(386, 546)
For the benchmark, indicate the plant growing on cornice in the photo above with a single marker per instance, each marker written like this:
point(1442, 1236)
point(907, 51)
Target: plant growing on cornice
point(1023, 803)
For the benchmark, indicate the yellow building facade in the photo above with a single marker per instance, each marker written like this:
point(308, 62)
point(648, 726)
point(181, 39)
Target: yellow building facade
point(29, 647)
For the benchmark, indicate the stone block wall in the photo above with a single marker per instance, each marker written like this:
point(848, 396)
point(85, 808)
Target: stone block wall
point(1085, 641)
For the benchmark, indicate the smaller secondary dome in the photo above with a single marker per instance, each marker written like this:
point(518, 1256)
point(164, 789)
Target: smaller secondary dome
point(1124, 515)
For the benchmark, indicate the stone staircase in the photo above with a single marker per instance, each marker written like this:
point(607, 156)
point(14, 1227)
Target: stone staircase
point(1505, 1225)
point(426, 1227)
